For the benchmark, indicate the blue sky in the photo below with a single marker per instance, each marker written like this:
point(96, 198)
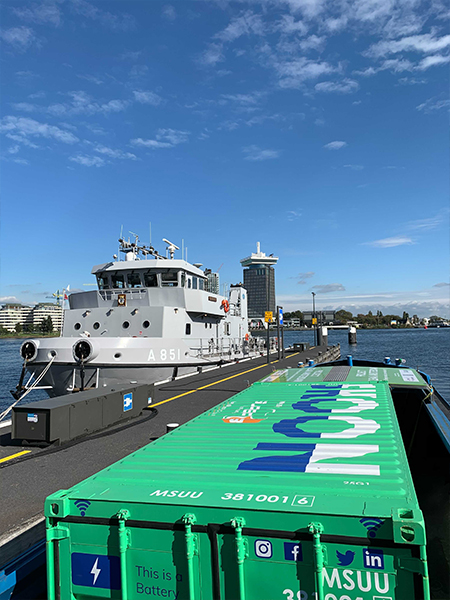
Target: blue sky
point(319, 128)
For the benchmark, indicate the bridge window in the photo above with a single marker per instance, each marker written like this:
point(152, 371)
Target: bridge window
point(201, 284)
point(102, 281)
point(117, 281)
point(134, 280)
point(169, 278)
point(194, 283)
point(150, 279)
point(183, 278)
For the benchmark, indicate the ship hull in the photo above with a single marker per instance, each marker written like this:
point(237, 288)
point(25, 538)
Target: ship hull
point(131, 367)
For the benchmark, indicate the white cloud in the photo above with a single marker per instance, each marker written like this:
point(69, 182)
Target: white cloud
point(293, 73)
point(309, 8)
point(314, 42)
point(335, 145)
point(432, 104)
point(254, 153)
point(302, 277)
point(429, 223)
point(442, 284)
point(112, 153)
point(411, 81)
point(150, 143)
point(26, 107)
point(288, 25)
point(354, 167)
point(212, 55)
point(165, 138)
point(333, 25)
point(399, 240)
point(293, 215)
point(88, 161)
point(20, 38)
point(346, 86)
point(396, 65)
point(329, 287)
point(173, 136)
point(244, 100)
point(169, 12)
point(245, 24)
point(147, 98)
point(83, 103)
point(9, 300)
point(14, 149)
point(131, 55)
point(22, 140)
point(47, 12)
point(138, 71)
point(24, 127)
point(21, 161)
point(115, 22)
point(426, 43)
point(91, 79)
point(37, 95)
point(433, 61)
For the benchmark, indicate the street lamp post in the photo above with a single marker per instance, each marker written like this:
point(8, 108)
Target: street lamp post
point(313, 317)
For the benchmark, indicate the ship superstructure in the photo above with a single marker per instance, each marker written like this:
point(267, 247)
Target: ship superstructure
point(150, 318)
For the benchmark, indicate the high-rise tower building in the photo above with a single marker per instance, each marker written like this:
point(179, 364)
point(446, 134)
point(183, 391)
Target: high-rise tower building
point(259, 281)
point(213, 285)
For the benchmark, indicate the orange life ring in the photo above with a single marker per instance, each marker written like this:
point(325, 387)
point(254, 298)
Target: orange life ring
point(226, 305)
point(247, 337)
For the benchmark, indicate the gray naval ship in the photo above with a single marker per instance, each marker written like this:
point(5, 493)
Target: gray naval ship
point(152, 317)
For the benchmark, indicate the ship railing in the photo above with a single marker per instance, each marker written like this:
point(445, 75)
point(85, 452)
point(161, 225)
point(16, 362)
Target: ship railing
point(131, 294)
point(222, 348)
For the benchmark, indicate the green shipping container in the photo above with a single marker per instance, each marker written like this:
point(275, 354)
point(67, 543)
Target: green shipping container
point(286, 491)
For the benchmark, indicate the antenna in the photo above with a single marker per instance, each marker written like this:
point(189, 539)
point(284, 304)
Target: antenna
point(182, 249)
point(171, 247)
point(120, 238)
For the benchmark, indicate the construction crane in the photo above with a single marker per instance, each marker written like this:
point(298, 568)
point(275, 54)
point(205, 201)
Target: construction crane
point(58, 295)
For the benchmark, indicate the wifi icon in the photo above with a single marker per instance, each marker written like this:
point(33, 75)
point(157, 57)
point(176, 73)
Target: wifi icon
point(82, 506)
point(372, 526)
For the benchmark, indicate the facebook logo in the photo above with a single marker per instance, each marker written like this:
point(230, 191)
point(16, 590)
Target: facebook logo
point(373, 559)
point(293, 551)
point(94, 570)
point(127, 401)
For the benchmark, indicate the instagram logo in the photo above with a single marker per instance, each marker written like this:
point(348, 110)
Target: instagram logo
point(263, 549)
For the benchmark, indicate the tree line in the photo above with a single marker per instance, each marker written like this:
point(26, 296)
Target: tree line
point(370, 320)
point(44, 327)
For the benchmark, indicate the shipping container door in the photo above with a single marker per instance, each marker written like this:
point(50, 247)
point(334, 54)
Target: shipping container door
point(276, 568)
point(157, 563)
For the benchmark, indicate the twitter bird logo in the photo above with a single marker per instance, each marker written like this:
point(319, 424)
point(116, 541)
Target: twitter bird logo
point(345, 559)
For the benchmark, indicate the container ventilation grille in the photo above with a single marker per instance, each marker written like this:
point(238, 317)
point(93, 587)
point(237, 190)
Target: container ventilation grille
point(338, 374)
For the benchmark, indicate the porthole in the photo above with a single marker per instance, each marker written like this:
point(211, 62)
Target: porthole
point(146, 324)
point(117, 355)
point(125, 324)
point(96, 325)
point(52, 354)
point(77, 326)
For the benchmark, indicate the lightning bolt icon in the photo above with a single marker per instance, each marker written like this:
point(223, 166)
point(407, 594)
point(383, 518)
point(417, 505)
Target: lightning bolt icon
point(95, 571)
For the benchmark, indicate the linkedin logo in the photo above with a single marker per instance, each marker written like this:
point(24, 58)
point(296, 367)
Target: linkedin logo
point(373, 559)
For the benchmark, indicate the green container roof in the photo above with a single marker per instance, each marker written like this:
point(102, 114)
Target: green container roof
point(324, 447)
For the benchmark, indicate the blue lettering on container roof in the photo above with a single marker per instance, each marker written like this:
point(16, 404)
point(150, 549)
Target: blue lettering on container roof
point(314, 457)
